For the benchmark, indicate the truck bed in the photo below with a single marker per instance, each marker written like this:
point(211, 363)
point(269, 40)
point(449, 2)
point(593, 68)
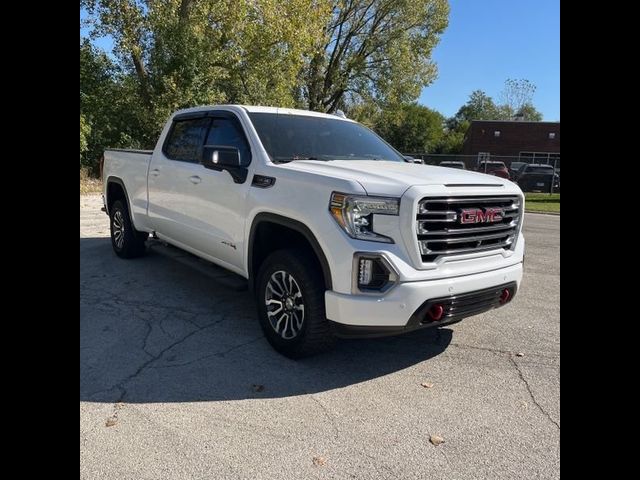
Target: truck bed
point(130, 167)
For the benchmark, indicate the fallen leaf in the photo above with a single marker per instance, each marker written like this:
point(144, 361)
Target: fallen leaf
point(519, 354)
point(318, 461)
point(258, 388)
point(119, 405)
point(111, 422)
point(436, 440)
point(427, 384)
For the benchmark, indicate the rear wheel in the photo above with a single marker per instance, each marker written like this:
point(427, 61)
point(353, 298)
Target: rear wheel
point(290, 298)
point(126, 241)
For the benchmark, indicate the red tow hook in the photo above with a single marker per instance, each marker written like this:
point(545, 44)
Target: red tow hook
point(435, 312)
point(505, 296)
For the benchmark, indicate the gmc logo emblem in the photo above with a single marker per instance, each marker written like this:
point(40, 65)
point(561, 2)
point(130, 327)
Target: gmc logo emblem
point(479, 215)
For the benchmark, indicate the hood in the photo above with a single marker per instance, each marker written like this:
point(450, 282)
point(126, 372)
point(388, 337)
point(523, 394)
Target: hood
point(393, 178)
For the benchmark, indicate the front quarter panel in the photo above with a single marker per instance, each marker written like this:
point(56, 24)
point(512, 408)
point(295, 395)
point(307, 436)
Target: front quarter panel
point(304, 197)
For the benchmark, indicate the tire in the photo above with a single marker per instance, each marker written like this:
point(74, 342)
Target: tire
point(126, 241)
point(291, 280)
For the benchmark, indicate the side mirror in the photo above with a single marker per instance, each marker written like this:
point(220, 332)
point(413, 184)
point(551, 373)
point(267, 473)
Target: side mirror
point(218, 157)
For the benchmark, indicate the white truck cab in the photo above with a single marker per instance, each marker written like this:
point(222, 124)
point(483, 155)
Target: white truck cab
point(336, 232)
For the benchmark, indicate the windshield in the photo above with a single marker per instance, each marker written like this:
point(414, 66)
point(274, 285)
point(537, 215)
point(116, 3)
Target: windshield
point(299, 137)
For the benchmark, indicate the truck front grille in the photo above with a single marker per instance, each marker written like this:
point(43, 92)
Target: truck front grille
point(457, 225)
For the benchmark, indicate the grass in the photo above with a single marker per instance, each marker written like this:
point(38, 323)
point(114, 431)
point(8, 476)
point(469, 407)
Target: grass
point(542, 202)
point(89, 184)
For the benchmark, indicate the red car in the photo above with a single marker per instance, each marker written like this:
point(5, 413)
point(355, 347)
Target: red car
point(491, 167)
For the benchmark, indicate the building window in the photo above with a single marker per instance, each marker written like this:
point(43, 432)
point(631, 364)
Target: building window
point(496, 133)
point(552, 135)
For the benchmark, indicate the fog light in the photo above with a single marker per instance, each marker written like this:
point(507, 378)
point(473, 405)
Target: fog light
point(372, 273)
point(365, 271)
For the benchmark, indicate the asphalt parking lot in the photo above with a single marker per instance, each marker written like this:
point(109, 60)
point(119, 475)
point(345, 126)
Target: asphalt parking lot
point(176, 381)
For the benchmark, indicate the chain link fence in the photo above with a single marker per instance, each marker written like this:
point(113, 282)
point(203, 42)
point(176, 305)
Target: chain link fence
point(530, 179)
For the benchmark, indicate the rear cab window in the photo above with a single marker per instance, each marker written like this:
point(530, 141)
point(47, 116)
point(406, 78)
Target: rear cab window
point(188, 136)
point(185, 139)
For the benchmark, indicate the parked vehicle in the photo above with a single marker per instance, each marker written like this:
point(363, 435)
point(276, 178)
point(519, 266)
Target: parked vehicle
point(514, 167)
point(453, 164)
point(492, 167)
point(537, 177)
point(337, 234)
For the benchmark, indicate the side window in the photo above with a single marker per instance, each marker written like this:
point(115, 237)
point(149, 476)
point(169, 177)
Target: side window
point(226, 132)
point(186, 139)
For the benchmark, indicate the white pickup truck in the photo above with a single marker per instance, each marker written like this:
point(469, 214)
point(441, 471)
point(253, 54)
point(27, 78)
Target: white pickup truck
point(337, 233)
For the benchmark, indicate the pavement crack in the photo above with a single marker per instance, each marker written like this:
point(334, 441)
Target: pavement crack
point(533, 398)
point(336, 431)
point(121, 385)
point(209, 355)
point(498, 351)
point(146, 335)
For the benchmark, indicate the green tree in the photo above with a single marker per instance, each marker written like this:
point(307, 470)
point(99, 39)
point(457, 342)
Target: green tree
point(376, 50)
point(411, 128)
point(516, 94)
point(109, 114)
point(516, 102)
point(324, 54)
point(452, 140)
point(183, 53)
point(480, 106)
point(85, 129)
point(529, 113)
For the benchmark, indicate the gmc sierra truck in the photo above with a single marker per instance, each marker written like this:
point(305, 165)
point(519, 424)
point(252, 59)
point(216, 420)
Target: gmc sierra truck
point(337, 234)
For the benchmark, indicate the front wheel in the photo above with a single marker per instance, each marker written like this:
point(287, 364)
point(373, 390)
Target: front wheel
point(290, 298)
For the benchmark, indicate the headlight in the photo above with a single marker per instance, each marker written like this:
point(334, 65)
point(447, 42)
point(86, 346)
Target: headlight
point(354, 214)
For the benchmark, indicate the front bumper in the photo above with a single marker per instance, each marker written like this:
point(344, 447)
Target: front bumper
point(402, 308)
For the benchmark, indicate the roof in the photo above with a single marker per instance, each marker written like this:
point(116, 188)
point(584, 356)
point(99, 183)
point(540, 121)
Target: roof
point(263, 109)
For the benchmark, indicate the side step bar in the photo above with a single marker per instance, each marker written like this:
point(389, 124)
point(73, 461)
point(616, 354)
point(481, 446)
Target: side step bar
point(220, 275)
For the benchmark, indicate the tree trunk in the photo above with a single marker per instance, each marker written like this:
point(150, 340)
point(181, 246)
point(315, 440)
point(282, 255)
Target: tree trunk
point(143, 77)
point(184, 10)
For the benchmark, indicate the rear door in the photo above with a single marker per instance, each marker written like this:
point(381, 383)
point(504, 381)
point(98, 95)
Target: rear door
point(172, 173)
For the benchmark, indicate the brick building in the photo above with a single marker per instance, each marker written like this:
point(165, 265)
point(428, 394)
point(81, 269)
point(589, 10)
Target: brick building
point(537, 141)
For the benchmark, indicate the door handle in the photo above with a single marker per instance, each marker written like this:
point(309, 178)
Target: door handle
point(155, 172)
point(195, 179)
